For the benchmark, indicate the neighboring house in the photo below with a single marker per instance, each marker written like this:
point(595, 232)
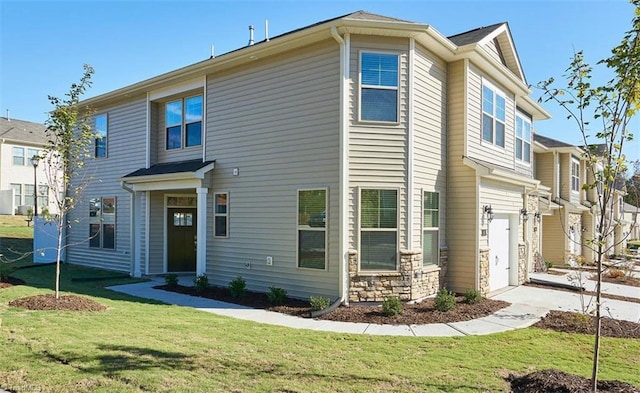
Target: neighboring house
point(631, 216)
point(357, 158)
point(19, 141)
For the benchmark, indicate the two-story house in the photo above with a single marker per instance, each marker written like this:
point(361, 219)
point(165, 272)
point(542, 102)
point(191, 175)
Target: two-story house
point(20, 141)
point(357, 158)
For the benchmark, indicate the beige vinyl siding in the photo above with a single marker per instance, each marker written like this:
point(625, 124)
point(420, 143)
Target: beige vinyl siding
point(545, 169)
point(430, 138)
point(126, 147)
point(553, 238)
point(478, 148)
point(494, 51)
point(278, 123)
point(565, 176)
point(504, 199)
point(462, 197)
point(183, 153)
point(377, 151)
point(157, 225)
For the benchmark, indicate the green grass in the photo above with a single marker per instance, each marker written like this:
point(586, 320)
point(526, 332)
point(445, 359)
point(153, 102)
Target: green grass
point(15, 227)
point(137, 345)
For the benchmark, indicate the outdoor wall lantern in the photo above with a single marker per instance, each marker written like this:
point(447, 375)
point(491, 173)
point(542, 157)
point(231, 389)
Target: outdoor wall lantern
point(487, 211)
point(524, 214)
point(537, 216)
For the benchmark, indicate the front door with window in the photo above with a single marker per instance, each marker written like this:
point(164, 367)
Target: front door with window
point(181, 239)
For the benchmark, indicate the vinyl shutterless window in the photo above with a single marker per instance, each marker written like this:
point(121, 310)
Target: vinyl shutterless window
point(379, 87)
point(575, 174)
point(523, 139)
point(493, 116)
point(18, 156)
point(17, 194)
point(378, 229)
point(183, 114)
point(102, 222)
point(312, 229)
point(101, 132)
point(430, 228)
point(221, 214)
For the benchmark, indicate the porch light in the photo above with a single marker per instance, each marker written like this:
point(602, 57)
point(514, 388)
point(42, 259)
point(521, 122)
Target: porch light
point(34, 161)
point(537, 216)
point(487, 211)
point(524, 214)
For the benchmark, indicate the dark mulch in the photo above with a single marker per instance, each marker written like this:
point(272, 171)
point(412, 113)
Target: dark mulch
point(624, 280)
point(572, 322)
point(587, 293)
point(419, 313)
point(65, 302)
point(556, 381)
point(7, 282)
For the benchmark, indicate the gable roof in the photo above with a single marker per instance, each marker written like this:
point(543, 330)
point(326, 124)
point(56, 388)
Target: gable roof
point(15, 130)
point(550, 142)
point(473, 36)
point(170, 168)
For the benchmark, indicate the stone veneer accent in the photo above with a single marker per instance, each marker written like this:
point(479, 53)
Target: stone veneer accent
point(484, 272)
point(413, 281)
point(522, 263)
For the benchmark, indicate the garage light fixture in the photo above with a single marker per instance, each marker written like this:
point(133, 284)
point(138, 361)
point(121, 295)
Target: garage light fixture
point(487, 212)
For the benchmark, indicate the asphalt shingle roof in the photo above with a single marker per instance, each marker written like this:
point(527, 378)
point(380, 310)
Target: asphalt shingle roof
point(550, 142)
point(22, 131)
point(170, 167)
point(475, 35)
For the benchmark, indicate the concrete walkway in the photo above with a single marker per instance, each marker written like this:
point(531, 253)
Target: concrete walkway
point(528, 305)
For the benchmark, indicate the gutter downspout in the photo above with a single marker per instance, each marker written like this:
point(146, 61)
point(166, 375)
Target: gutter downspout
point(134, 270)
point(343, 231)
point(410, 146)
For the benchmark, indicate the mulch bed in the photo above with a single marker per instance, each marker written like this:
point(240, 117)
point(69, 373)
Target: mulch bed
point(572, 322)
point(556, 381)
point(65, 302)
point(8, 282)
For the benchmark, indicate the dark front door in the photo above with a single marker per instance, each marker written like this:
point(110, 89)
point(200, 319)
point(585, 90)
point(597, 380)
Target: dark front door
point(181, 239)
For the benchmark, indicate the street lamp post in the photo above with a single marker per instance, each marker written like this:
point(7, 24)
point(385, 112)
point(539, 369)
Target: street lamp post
point(34, 161)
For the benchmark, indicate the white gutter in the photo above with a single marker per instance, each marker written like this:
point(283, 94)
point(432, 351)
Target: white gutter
point(148, 133)
point(410, 144)
point(343, 231)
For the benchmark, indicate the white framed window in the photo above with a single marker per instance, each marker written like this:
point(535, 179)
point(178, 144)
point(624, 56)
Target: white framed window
point(575, 174)
point(430, 228)
point(29, 190)
point(17, 194)
point(221, 214)
point(312, 228)
point(379, 86)
point(493, 115)
point(18, 156)
point(101, 132)
point(102, 223)
point(378, 229)
point(43, 196)
point(183, 114)
point(523, 138)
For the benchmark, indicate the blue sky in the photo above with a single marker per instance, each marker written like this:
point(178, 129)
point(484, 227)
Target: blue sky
point(43, 44)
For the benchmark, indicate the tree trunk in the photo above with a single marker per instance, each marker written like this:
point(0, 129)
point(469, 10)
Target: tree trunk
point(596, 348)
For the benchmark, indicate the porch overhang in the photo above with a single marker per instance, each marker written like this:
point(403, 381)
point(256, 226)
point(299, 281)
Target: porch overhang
point(169, 176)
point(506, 175)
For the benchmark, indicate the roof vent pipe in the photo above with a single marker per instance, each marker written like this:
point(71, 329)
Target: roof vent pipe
point(8, 118)
point(251, 35)
point(213, 54)
point(266, 29)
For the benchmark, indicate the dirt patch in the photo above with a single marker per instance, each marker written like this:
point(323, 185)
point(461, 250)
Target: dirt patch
point(65, 302)
point(8, 282)
point(556, 381)
point(572, 322)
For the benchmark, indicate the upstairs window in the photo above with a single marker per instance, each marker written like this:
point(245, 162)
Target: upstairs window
point(100, 143)
point(493, 116)
point(523, 139)
point(575, 174)
point(184, 114)
point(379, 87)
point(430, 228)
point(18, 156)
point(378, 230)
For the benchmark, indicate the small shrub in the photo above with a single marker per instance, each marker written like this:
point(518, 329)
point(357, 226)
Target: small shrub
point(277, 296)
point(618, 274)
point(581, 320)
point(319, 302)
point(201, 282)
point(472, 296)
point(445, 300)
point(392, 306)
point(171, 280)
point(548, 264)
point(238, 287)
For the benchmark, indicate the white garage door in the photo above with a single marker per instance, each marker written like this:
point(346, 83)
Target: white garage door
point(499, 253)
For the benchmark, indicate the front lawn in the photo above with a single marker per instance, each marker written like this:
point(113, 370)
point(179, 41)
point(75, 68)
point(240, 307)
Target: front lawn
point(137, 345)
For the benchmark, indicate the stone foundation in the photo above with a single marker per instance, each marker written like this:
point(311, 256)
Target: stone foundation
point(484, 272)
point(413, 281)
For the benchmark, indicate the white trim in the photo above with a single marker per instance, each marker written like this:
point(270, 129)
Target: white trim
point(496, 92)
point(148, 133)
point(430, 229)
point(227, 215)
point(147, 201)
point(191, 84)
point(525, 120)
point(410, 143)
point(201, 231)
point(106, 136)
point(361, 85)
point(359, 229)
point(325, 229)
point(203, 126)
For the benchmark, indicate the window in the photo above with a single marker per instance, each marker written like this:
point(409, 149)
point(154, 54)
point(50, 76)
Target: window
point(31, 153)
point(221, 214)
point(43, 196)
point(102, 223)
point(28, 194)
point(575, 174)
point(18, 156)
point(191, 120)
point(430, 228)
point(312, 228)
point(523, 139)
point(17, 194)
point(493, 116)
point(100, 143)
point(379, 87)
point(378, 229)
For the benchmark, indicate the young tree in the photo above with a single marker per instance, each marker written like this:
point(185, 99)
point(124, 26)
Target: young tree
point(611, 106)
point(69, 138)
